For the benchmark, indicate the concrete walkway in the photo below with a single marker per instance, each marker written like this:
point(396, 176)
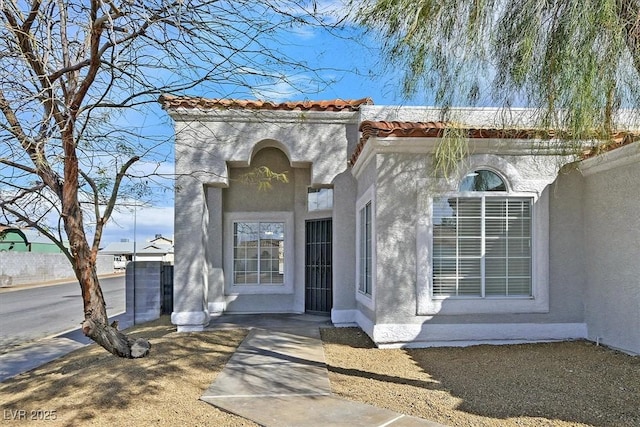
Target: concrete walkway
point(278, 377)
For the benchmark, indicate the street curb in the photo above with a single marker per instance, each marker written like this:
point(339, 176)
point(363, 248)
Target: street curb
point(35, 285)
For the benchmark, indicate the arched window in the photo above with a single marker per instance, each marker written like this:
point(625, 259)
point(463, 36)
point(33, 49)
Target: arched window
point(482, 180)
point(482, 240)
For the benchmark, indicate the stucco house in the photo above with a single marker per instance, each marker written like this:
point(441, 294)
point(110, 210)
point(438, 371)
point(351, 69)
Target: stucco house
point(159, 248)
point(510, 247)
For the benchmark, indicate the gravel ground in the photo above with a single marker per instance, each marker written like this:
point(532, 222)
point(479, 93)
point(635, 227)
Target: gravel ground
point(555, 384)
point(564, 384)
point(90, 387)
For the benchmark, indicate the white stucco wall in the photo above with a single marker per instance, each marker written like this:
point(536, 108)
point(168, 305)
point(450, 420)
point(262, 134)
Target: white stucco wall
point(400, 170)
point(284, 202)
point(586, 265)
point(612, 247)
point(344, 249)
point(207, 141)
point(404, 183)
point(191, 222)
point(567, 273)
point(211, 142)
point(593, 251)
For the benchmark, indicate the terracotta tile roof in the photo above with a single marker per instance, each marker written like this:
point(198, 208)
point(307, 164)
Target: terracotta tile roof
point(171, 101)
point(370, 128)
point(433, 130)
point(619, 140)
point(436, 130)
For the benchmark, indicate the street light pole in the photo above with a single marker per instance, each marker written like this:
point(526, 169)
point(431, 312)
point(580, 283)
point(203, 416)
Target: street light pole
point(135, 255)
point(135, 222)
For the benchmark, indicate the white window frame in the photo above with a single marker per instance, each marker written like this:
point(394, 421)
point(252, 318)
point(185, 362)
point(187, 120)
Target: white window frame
point(319, 189)
point(366, 299)
point(538, 302)
point(483, 195)
point(286, 287)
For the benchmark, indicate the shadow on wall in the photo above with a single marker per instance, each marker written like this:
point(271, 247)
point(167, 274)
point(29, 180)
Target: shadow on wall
point(205, 152)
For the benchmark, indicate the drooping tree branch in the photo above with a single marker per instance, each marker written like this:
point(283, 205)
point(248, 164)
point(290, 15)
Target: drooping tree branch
point(629, 14)
point(575, 64)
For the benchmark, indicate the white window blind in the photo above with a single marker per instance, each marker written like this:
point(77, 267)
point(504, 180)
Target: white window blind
point(482, 246)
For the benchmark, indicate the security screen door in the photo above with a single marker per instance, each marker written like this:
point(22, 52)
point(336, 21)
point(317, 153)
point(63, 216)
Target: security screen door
point(318, 277)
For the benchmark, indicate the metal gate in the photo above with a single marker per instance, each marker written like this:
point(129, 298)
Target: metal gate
point(166, 287)
point(318, 273)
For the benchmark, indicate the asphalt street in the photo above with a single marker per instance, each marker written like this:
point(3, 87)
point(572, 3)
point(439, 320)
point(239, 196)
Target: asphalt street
point(34, 312)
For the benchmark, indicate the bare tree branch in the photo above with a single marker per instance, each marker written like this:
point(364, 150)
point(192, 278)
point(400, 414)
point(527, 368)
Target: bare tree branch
point(18, 166)
point(77, 80)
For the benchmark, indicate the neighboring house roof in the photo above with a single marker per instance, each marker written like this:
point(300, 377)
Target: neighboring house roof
point(167, 249)
point(126, 248)
point(160, 241)
point(171, 101)
point(154, 250)
point(436, 129)
point(118, 248)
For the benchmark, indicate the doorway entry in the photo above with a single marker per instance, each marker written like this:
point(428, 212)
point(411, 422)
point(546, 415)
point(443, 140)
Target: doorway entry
point(318, 272)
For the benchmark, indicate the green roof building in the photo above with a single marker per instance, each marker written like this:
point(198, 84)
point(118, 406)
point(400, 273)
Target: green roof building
point(13, 239)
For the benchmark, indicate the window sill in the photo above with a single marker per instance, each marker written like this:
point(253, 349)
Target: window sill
point(242, 289)
point(476, 298)
point(476, 305)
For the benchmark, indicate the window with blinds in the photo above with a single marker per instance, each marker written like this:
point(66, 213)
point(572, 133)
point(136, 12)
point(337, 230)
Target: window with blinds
point(482, 243)
point(365, 251)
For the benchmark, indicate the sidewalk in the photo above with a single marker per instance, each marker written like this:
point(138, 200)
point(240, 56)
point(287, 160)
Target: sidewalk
point(32, 355)
point(278, 377)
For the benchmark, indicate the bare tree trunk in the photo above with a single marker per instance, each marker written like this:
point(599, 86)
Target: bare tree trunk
point(96, 322)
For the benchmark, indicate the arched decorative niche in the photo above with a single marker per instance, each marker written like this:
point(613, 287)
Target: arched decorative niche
point(268, 143)
point(268, 183)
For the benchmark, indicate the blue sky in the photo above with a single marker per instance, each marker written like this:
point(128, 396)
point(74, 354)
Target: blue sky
point(347, 68)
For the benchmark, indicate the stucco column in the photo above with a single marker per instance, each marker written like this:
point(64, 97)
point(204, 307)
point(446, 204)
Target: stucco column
point(344, 249)
point(190, 275)
point(213, 250)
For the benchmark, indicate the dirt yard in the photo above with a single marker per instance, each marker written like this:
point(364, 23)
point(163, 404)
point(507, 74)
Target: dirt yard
point(90, 387)
point(565, 384)
point(559, 384)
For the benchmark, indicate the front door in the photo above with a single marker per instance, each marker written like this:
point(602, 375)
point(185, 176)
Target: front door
point(318, 277)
